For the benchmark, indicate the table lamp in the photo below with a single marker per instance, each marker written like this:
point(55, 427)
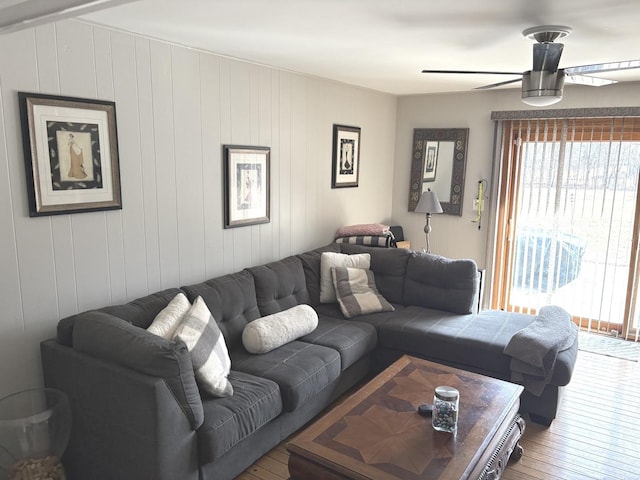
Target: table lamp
point(428, 204)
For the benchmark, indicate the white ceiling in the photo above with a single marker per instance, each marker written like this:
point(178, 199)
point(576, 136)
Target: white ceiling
point(384, 44)
point(20, 14)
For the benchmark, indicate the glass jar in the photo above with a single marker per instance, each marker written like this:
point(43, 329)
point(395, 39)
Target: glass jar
point(34, 431)
point(445, 409)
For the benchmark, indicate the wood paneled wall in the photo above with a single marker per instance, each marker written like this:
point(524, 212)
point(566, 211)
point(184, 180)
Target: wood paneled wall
point(175, 108)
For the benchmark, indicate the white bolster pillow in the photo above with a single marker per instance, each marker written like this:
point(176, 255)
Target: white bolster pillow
point(270, 332)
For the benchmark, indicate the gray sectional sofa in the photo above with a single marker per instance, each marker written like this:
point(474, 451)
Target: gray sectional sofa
point(137, 410)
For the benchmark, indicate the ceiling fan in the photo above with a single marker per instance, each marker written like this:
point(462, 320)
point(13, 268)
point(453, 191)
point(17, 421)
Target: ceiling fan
point(543, 84)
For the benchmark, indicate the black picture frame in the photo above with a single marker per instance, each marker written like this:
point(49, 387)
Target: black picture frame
point(345, 170)
point(247, 190)
point(70, 154)
point(430, 162)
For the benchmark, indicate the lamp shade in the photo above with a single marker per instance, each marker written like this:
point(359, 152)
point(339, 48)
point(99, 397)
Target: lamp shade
point(428, 203)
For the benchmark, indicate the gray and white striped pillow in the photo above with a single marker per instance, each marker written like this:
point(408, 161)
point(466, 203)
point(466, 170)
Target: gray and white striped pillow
point(333, 259)
point(357, 293)
point(209, 355)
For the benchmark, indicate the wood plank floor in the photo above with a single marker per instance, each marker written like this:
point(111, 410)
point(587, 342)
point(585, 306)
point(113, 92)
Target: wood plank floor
point(595, 436)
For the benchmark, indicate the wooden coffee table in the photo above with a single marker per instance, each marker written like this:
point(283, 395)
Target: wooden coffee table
point(377, 433)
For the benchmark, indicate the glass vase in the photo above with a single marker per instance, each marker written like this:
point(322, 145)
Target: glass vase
point(34, 430)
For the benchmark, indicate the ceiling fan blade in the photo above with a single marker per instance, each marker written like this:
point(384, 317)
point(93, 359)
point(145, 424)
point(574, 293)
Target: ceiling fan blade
point(499, 84)
point(587, 80)
point(478, 72)
point(546, 56)
point(603, 67)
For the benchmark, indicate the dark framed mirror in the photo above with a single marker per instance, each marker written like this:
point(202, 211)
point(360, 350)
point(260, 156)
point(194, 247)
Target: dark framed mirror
point(438, 162)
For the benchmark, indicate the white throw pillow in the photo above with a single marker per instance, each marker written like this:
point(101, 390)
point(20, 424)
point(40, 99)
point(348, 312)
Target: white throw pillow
point(166, 322)
point(266, 333)
point(332, 259)
point(209, 355)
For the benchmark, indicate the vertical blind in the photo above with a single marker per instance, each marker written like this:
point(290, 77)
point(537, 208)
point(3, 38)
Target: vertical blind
point(568, 219)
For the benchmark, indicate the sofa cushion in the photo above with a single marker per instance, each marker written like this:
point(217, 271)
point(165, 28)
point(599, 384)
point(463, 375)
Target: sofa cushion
point(329, 260)
point(378, 319)
point(300, 369)
point(266, 333)
point(357, 293)
point(231, 299)
point(209, 356)
point(329, 310)
point(352, 339)
point(441, 283)
point(280, 285)
point(227, 421)
point(113, 339)
point(169, 318)
point(311, 266)
point(332, 310)
point(389, 265)
point(473, 342)
point(450, 338)
point(139, 312)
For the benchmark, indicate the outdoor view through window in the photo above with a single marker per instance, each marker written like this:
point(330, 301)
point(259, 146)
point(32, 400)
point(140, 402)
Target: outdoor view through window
point(570, 215)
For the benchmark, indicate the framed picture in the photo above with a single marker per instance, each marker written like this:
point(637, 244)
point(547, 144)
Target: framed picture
point(70, 153)
point(346, 156)
point(430, 162)
point(246, 185)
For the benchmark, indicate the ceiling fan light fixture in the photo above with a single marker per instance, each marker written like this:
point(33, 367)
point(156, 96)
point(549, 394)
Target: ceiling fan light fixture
point(541, 89)
point(542, 100)
point(546, 33)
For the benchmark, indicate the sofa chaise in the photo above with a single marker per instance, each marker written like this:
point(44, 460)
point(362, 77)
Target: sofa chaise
point(138, 411)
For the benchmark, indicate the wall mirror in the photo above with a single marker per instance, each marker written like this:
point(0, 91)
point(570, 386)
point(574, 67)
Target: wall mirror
point(439, 157)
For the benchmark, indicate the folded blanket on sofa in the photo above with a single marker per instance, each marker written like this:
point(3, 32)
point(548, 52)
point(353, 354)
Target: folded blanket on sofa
point(534, 349)
point(363, 229)
point(369, 240)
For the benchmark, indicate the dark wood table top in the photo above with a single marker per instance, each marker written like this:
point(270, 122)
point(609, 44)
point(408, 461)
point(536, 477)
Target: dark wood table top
point(376, 433)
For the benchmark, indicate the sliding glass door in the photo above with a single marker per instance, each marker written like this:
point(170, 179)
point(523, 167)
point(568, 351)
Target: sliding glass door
point(568, 220)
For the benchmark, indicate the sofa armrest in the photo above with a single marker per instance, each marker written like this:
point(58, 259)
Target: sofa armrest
point(441, 283)
point(125, 424)
point(115, 340)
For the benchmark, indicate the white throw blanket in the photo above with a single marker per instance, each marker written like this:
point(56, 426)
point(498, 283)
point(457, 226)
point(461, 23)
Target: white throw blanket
point(534, 349)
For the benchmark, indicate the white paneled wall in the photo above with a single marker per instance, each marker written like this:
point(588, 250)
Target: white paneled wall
point(175, 109)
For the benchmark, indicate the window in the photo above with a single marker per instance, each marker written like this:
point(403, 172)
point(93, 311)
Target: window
point(568, 219)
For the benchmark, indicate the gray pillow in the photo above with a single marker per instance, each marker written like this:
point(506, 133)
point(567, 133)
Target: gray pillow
point(357, 293)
